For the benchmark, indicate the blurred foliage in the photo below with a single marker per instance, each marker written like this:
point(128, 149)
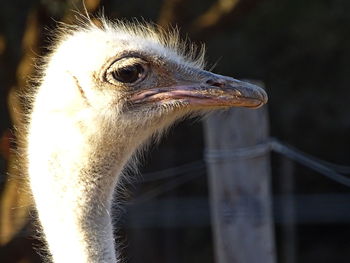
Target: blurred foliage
point(298, 48)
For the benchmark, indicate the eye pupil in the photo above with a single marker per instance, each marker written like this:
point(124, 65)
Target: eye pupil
point(128, 74)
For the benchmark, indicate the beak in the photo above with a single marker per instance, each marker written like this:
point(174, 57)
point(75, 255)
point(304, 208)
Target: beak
point(210, 91)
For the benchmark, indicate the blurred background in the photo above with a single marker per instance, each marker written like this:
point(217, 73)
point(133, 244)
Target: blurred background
point(299, 49)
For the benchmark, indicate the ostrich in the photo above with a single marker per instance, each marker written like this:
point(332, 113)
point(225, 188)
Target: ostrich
point(104, 92)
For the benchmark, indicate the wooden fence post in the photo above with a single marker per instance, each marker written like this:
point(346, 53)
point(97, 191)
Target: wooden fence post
point(239, 183)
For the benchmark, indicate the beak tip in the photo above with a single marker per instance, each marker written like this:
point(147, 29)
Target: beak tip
point(263, 99)
point(259, 94)
point(264, 96)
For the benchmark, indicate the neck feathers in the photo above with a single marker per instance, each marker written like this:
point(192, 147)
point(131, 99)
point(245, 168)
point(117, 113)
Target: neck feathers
point(73, 171)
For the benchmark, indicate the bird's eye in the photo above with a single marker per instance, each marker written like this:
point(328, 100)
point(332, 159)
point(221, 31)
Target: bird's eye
point(127, 70)
point(128, 74)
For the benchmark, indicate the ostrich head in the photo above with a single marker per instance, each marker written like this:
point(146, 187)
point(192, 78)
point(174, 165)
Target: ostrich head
point(104, 92)
point(138, 76)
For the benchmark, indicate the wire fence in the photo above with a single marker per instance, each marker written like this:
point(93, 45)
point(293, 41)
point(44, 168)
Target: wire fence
point(190, 171)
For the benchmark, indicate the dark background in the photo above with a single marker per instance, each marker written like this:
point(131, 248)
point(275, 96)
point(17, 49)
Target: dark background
point(300, 50)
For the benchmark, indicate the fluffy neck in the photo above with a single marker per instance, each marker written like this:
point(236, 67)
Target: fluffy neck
point(74, 165)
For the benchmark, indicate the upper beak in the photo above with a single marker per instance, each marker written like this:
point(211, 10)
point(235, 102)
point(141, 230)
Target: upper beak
point(209, 91)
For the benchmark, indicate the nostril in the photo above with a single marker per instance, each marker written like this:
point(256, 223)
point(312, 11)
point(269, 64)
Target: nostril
point(214, 83)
